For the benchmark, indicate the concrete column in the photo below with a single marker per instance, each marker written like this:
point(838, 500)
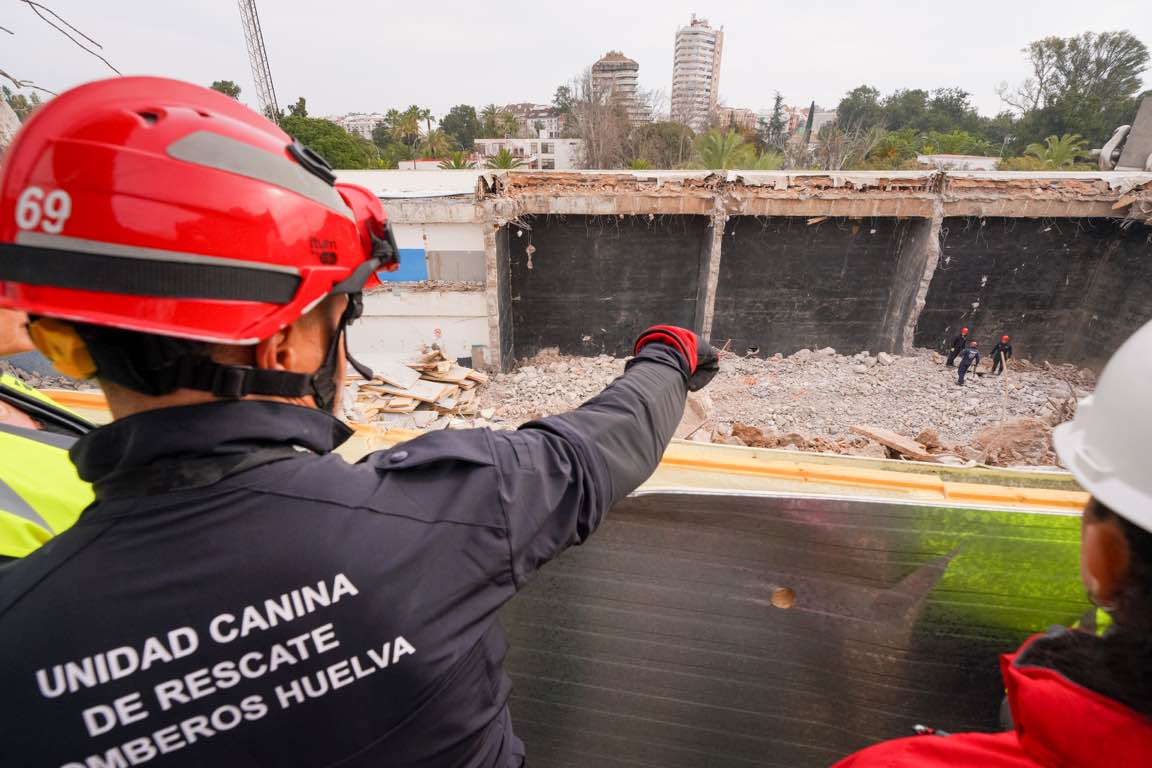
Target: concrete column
point(492, 288)
point(710, 273)
point(931, 259)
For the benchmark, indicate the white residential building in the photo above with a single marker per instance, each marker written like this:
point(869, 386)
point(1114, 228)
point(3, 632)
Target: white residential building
point(696, 73)
point(615, 77)
point(535, 121)
point(536, 154)
point(360, 123)
point(959, 162)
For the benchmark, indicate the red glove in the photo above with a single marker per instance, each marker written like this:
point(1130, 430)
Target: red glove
point(702, 364)
point(680, 339)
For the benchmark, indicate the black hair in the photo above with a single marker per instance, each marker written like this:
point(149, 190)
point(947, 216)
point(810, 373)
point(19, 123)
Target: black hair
point(1134, 608)
point(1118, 664)
point(142, 362)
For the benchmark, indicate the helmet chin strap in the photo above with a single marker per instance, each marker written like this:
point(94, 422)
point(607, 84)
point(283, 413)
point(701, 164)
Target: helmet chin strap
point(237, 381)
point(324, 380)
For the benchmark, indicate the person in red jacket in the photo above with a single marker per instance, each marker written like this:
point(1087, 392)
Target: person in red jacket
point(1078, 699)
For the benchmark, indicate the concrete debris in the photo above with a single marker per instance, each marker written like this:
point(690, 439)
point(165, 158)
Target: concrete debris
point(810, 401)
point(901, 445)
point(885, 359)
point(929, 438)
point(45, 381)
point(1026, 442)
point(430, 392)
point(430, 286)
point(697, 414)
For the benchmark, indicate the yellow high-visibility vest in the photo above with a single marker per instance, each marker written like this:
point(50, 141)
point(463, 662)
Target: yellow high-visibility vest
point(40, 493)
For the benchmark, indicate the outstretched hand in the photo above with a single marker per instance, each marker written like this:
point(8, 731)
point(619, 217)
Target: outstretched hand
point(702, 363)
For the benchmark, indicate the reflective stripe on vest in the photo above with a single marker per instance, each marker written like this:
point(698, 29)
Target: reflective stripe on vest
point(41, 494)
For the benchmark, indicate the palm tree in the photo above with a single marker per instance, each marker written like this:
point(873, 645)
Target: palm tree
point(425, 115)
point(456, 161)
point(768, 161)
point(504, 160)
point(436, 143)
point(488, 121)
point(507, 125)
point(1058, 152)
point(406, 128)
point(717, 150)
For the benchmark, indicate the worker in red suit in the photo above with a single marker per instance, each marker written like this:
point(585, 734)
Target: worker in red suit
point(1078, 699)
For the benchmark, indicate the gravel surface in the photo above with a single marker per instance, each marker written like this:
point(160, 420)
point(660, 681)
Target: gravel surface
point(819, 395)
point(45, 382)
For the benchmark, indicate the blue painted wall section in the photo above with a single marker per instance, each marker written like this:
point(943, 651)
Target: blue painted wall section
point(413, 267)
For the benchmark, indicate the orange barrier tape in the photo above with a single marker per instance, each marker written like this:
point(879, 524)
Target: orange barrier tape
point(917, 485)
point(888, 480)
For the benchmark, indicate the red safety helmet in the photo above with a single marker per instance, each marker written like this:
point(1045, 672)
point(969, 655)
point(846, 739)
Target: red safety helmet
point(964, 331)
point(160, 206)
point(1003, 338)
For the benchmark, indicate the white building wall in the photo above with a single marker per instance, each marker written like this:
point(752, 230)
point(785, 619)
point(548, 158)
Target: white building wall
point(399, 322)
point(537, 154)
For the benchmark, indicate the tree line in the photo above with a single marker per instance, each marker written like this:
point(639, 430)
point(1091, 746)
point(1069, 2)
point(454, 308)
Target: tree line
point(1079, 89)
point(400, 135)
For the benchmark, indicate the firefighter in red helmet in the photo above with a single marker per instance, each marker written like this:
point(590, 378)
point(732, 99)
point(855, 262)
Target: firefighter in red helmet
point(1001, 354)
point(237, 594)
point(958, 345)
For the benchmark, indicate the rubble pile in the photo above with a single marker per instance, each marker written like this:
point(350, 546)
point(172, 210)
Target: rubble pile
point(45, 381)
point(428, 392)
point(870, 405)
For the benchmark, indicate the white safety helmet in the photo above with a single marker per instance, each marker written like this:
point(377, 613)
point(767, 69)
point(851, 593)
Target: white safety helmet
point(1105, 444)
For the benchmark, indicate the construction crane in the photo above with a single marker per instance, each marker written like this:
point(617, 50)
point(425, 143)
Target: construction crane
point(258, 59)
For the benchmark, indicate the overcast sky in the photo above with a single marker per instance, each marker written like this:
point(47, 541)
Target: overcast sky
point(346, 56)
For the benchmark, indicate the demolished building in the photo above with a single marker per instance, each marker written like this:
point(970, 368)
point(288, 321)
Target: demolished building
point(773, 261)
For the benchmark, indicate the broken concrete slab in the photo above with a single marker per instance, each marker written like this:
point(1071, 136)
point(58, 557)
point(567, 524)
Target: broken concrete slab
point(905, 446)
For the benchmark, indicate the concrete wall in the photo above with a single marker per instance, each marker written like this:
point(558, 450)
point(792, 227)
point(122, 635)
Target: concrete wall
point(783, 260)
point(399, 321)
point(438, 251)
point(590, 284)
point(788, 283)
point(1064, 289)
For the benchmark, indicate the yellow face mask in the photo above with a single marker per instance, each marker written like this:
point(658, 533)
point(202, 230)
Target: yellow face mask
point(60, 343)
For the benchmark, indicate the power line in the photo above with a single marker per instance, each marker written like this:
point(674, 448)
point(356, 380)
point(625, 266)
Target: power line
point(37, 7)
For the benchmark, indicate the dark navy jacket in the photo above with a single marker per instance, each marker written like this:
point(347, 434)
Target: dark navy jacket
point(969, 358)
point(238, 596)
point(1002, 346)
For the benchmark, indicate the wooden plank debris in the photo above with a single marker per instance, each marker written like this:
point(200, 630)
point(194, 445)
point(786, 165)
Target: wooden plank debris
point(425, 391)
point(905, 446)
point(390, 370)
point(454, 375)
point(419, 393)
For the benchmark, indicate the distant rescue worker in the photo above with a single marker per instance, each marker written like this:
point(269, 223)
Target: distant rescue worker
point(970, 359)
point(958, 344)
point(1001, 354)
point(237, 594)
